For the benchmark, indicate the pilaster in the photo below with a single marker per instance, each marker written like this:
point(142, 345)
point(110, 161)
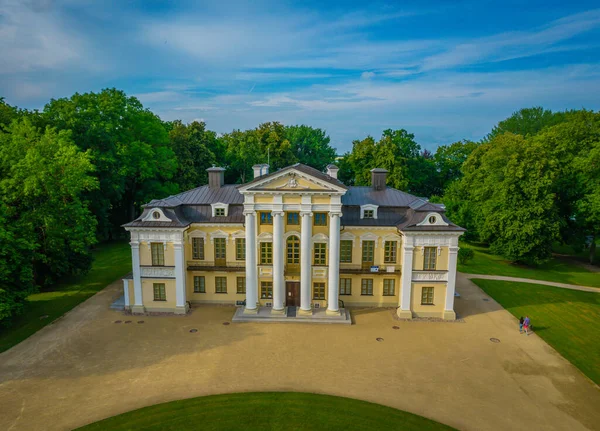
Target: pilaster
point(449, 313)
point(181, 305)
point(404, 310)
point(251, 268)
point(334, 263)
point(138, 303)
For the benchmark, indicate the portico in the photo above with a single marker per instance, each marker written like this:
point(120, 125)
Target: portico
point(277, 208)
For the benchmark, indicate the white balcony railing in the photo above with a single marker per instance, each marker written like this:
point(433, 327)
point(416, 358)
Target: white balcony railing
point(430, 276)
point(158, 271)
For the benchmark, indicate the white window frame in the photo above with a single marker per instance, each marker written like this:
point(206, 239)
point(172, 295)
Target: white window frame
point(368, 207)
point(220, 206)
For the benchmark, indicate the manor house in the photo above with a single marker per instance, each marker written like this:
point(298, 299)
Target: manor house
point(295, 238)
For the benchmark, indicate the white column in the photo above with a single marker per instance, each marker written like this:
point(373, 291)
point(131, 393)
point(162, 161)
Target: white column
point(406, 288)
point(305, 265)
point(449, 313)
point(126, 292)
point(251, 268)
point(334, 263)
point(138, 304)
point(181, 306)
point(278, 279)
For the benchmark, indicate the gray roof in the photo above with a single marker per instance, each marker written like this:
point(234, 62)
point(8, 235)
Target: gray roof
point(396, 208)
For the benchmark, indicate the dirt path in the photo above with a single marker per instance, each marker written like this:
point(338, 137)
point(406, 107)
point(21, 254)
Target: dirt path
point(533, 281)
point(84, 367)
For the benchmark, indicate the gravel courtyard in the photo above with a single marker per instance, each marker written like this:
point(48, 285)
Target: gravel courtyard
point(84, 367)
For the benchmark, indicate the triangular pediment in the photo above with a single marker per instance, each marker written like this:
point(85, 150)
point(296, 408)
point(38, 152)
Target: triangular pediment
point(291, 180)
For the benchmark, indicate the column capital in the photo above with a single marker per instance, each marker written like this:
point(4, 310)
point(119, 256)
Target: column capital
point(249, 212)
point(335, 214)
point(134, 244)
point(452, 249)
point(306, 213)
point(277, 213)
point(408, 248)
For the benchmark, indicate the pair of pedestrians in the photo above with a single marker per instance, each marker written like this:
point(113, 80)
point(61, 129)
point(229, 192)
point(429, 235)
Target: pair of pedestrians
point(524, 325)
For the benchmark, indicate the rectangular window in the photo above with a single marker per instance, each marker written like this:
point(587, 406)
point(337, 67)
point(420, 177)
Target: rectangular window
point(366, 287)
point(389, 287)
point(427, 296)
point(346, 251)
point(320, 219)
point(368, 252)
point(266, 289)
point(293, 218)
point(266, 218)
point(389, 255)
point(241, 285)
point(199, 284)
point(293, 250)
point(240, 248)
point(219, 212)
point(318, 290)
point(266, 253)
point(320, 254)
point(220, 252)
point(198, 248)
point(158, 253)
point(220, 284)
point(345, 286)
point(429, 258)
point(368, 214)
point(159, 291)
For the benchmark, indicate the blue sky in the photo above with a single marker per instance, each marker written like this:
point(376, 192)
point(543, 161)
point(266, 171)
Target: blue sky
point(443, 70)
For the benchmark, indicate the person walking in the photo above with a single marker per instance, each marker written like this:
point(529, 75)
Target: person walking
point(521, 320)
point(526, 324)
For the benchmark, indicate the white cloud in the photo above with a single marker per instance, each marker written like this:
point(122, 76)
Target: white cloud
point(367, 75)
point(33, 37)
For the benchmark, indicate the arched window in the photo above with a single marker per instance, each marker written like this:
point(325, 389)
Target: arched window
point(293, 249)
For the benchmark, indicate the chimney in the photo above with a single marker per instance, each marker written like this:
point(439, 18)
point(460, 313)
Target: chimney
point(378, 178)
point(260, 170)
point(332, 171)
point(216, 177)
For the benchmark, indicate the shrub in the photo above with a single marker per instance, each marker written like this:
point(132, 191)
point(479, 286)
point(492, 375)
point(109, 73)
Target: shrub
point(465, 255)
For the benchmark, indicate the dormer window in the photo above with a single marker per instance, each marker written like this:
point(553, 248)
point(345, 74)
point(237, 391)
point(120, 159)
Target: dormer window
point(219, 209)
point(368, 211)
point(155, 215)
point(432, 219)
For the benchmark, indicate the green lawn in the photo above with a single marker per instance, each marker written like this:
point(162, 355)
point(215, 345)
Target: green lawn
point(111, 261)
point(568, 320)
point(556, 270)
point(267, 411)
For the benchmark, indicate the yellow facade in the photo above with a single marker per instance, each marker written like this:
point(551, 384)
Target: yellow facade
point(292, 196)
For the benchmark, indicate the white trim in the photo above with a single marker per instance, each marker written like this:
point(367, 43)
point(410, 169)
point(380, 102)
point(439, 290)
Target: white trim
point(320, 237)
point(330, 188)
point(238, 234)
point(368, 207)
point(220, 205)
point(439, 221)
point(291, 233)
point(161, 215)
point(369, 237)
point(347, 236)
point(265, 237)
point(196, 234)
point(219, 234)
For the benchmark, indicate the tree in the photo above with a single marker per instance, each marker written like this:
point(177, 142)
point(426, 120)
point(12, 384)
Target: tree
point(7, 113)
point(45, 226)
point(310, 146)
point(129, 147)
point(510, 182)
point(465, 255)
point(192, 145)
point(527, 122)
point(449, 159)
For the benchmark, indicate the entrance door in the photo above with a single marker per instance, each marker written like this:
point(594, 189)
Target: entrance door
point(292, 293)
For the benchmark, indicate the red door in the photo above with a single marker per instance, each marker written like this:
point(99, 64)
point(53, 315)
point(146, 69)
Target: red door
point(292, 293)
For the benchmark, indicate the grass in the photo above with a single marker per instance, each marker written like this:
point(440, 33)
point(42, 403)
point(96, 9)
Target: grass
point(111, 261)
point(568, 320)
point(556, 270)
point(267, 411)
